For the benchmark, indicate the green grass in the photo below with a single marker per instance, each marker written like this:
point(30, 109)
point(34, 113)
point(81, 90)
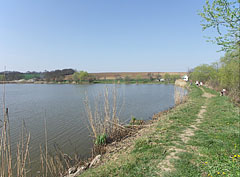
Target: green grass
point(215, 142)
point(208, 90)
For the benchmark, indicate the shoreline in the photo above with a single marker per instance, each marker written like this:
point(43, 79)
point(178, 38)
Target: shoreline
point(187, 141)
point(45, 83)
point(94, 82)
point(113, 149)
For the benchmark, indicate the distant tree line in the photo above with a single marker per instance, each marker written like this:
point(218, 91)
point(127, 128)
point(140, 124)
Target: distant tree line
point(79, 76)
point(171, 78)
point(11, 75)
point(56, 75)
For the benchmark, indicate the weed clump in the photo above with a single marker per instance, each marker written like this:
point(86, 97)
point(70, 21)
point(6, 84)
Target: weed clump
point(135, 121)
point(103, 120)
point(101, 139)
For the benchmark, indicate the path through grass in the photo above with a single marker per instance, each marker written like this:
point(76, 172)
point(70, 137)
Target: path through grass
point(211, 149)
point(216, 142)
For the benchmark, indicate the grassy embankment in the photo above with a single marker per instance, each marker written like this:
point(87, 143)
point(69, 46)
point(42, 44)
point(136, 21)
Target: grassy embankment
point(183, 142)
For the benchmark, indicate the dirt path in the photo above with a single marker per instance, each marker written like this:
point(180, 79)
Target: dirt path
point(166, 165)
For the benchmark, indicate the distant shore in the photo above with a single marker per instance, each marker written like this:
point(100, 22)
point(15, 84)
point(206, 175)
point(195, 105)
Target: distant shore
point(178, 82)
point(94, 82)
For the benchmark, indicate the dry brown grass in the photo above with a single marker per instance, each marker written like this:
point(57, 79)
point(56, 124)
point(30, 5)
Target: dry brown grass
point(179, 95)
point(8, 168)
point(56, 163)
point(180, 83)
point(234, 94)
point(103, 120)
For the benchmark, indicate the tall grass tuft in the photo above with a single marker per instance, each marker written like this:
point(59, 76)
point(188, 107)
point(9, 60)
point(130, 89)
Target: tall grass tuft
point(103, 117)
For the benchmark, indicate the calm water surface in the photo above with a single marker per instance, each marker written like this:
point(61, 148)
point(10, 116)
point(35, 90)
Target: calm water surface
point(63, 108)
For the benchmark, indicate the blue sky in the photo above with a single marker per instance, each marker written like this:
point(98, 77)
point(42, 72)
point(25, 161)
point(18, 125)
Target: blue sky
point(103, 35)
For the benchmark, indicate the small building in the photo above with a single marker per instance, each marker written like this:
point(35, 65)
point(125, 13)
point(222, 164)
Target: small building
point(185, 78)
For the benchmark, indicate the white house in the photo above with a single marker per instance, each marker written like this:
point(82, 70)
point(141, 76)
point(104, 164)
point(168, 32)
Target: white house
point(185, 78)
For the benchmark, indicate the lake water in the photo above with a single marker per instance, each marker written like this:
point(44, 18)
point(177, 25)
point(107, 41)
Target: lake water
point(63, 108)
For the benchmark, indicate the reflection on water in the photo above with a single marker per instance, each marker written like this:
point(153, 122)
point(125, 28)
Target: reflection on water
point(63, 108)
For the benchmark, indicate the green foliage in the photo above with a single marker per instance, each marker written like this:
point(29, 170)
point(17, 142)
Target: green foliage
point(80, 76)
point(139, 78)
point(203, 73)
point(166, 77)
point(174, 77)
point(224, 16)
point(134, 121)
point(127, 79)
point(170, 78)
point(101, 139)
point(222, 74)
point(1, 77)
point(229, 71)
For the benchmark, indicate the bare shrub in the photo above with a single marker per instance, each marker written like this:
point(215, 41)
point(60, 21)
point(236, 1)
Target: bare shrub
point(234, 94)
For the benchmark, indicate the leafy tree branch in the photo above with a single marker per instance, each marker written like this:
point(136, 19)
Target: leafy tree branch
point(224, 16)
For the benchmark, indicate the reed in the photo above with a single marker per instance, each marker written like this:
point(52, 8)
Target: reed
point(23, 157)
point(55, 163)
point(103, 117)
point(5, 148)
point(7, 167)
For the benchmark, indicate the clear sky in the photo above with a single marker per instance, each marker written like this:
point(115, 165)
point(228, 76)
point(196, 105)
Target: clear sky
point(103, 35)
